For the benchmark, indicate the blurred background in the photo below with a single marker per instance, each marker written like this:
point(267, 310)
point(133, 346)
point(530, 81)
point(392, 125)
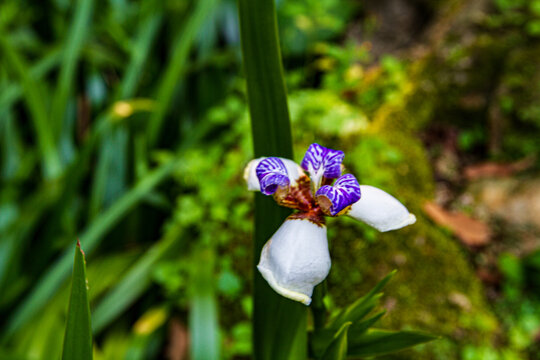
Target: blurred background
point(124, 123)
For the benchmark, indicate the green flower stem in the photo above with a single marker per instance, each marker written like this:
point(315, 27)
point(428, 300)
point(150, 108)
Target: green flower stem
point(317, 306)
point(279, 324)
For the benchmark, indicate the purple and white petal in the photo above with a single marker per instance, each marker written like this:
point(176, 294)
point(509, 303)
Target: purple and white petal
point(294, 172)
point(272, 175)
point(320, 161)
point(380, 210)
point(344, 192)
point(296, 259)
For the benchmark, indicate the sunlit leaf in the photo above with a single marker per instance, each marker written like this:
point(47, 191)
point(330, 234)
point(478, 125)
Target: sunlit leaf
point(337, 350)
point(203, 323)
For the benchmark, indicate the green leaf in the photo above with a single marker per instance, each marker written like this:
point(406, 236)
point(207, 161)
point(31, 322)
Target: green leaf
point(279, 324)
point(177, 65)
point(203, 323)
point(11, 93)
point(136, 280)
point(321, 339)
point(35, 100)
point(337, 350)
point(379, 342)
point(78, 336)
point(267, 96)
point(362, 306)
point(92, 236)
point(76, 37)
point(361, 327)
point(139, 53)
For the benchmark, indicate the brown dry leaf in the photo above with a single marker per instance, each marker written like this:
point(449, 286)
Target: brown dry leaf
point(470, 231)
point(491, 169)
point(178, 341)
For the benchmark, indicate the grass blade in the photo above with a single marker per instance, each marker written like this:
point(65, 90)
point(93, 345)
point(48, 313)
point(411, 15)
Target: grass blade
point(77, 34)
point(11, 148)
point(139, 54)
point(203, 323)
point(34, 97)
point(136, 280)
point(176, 67)
point(53, 278)
point(78, 336)
point(14, 238)
point(12, 92)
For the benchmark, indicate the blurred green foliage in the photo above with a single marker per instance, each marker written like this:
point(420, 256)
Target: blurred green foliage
point(125, 124)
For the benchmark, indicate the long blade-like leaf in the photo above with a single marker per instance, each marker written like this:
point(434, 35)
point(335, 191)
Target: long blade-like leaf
point(279, 324)
point(361, 307)
point(53, 278)
point(34, 96)
point(177, 64)
point(379, 342)
point(337, 350)
point(203, 322)
point(78, 336)
point(136, 280)
point(12, 92)
point(139, 54)
point(76, 36)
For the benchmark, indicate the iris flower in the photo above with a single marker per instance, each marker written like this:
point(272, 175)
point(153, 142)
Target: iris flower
point(296, 257)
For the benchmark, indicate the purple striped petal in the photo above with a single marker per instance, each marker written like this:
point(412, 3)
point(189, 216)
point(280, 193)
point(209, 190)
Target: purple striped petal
point(320, 161)
point(344, 192)
point(272, 174)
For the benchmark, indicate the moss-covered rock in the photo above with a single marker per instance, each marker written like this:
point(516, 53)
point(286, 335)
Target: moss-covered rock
point(435, 289)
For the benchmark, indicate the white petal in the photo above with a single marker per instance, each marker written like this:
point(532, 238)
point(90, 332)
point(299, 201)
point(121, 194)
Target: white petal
point(295, 259)
point(380, 210)
point(252, 181)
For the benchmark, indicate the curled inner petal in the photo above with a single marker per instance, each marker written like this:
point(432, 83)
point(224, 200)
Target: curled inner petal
point(272, 174)
point(334, 199)
point(320, 161)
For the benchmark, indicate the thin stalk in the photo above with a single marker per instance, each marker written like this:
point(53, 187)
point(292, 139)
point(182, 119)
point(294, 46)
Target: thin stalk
point(279, 324)
point(317, 306)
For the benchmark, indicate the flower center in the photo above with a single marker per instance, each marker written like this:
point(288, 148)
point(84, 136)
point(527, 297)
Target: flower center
point(301, 198)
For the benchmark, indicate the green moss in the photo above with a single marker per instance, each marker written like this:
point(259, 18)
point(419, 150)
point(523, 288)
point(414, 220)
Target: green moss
point(435, 289)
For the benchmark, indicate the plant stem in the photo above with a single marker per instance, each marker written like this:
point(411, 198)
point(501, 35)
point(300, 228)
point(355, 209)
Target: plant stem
point(317, 306)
